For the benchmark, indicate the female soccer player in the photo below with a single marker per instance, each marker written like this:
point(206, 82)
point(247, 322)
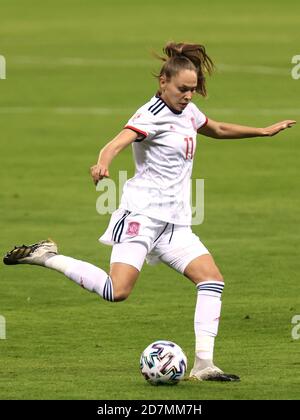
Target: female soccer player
point(153, 221)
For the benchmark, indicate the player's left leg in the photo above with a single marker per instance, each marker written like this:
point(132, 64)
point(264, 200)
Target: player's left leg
point(182, 250)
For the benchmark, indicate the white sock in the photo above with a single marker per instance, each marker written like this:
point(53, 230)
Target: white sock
point(206, 321)
point(85, 274)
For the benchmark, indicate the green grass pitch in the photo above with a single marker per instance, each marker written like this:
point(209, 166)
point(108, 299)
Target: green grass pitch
point(75, 73)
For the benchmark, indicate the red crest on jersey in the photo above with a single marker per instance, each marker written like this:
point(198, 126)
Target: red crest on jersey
point(133, 229)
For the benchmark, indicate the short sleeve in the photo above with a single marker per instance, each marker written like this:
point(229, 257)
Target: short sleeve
point(142, 123)
point(200, 119)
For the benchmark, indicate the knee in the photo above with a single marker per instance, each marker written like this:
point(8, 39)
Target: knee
point(122, 284)
point(120, 295)
point(212, 272)
point(120, 291)
point(214, 275)
point(203, 269)
point(217, 276)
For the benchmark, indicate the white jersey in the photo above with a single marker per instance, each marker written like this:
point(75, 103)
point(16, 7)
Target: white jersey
point(163, 153)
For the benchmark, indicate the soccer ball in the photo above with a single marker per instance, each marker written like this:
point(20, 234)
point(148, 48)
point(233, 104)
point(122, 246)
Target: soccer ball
point(163, 362)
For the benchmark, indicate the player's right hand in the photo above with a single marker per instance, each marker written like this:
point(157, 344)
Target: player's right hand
point(98, 172)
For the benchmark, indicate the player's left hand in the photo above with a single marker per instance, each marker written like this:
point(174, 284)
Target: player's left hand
point(276, 128)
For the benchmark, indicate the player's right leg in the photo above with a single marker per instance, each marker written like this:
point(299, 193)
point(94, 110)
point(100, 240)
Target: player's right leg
point(115, 286)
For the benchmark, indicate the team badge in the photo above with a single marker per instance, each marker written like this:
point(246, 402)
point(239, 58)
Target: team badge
point(136, 116)
point(133, 229)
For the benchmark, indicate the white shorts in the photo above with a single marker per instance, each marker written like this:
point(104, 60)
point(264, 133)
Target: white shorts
point(136, 237)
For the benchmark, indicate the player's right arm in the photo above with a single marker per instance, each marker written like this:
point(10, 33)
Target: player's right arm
point(112, 149)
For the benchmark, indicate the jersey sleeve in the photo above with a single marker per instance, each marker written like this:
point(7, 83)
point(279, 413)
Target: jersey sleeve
point(142, 123)
point(200, 118)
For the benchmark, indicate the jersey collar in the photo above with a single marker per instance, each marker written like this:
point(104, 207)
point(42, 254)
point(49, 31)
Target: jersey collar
point(171, 109)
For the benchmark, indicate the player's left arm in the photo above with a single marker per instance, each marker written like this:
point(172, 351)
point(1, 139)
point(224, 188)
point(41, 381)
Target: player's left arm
point(222, 130)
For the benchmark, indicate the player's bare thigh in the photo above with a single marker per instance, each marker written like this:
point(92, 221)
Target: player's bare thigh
point(123, 277)
point(203, 268)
